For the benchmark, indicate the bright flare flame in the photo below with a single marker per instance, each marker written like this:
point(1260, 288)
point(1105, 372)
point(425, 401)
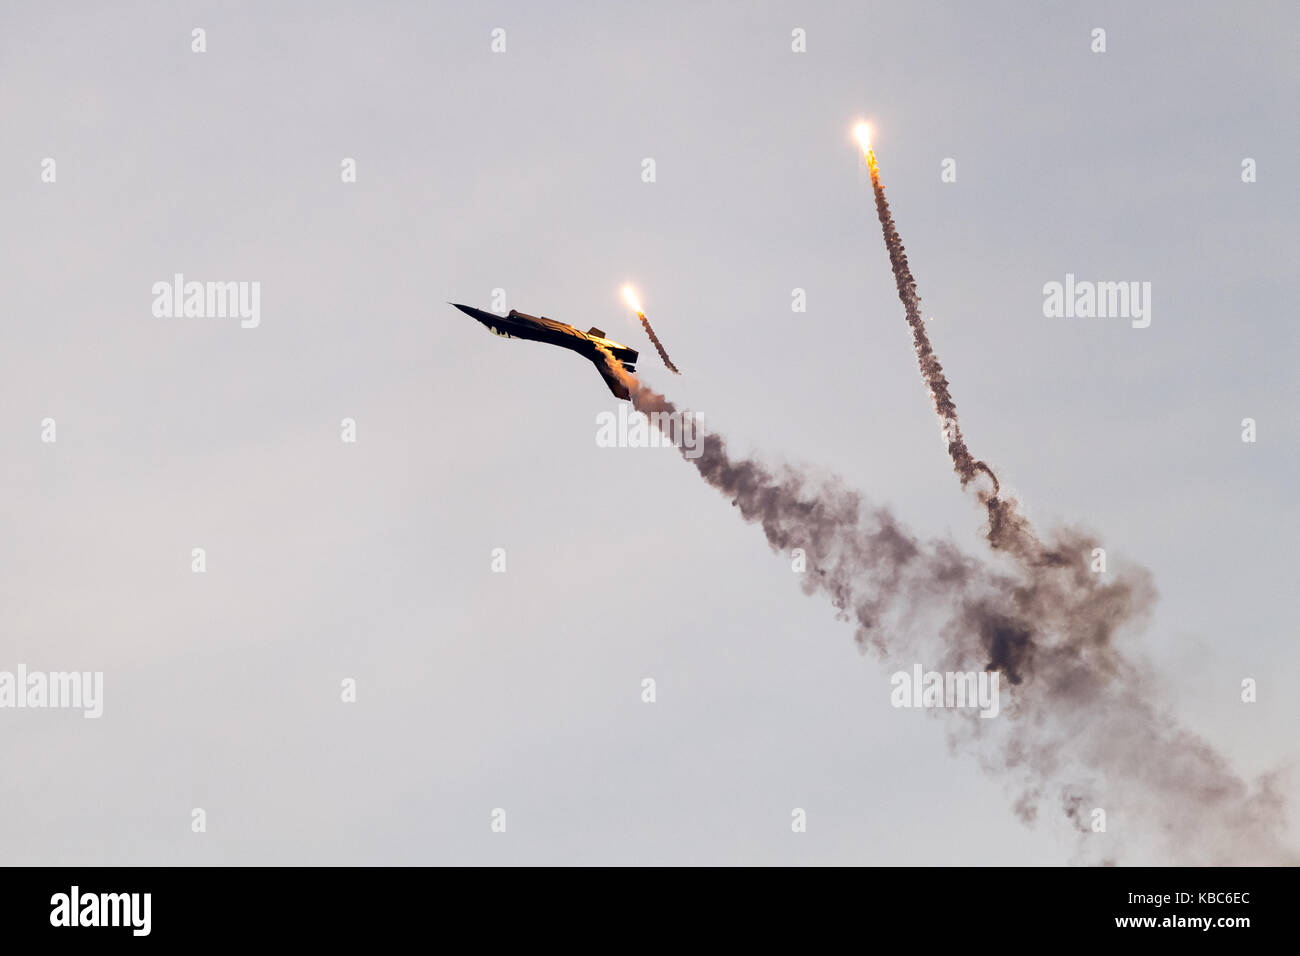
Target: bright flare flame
point(630, 295)
point(862, 132)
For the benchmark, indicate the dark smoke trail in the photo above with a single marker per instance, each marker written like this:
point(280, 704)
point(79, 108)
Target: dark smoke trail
point(1082, 729)
point(668, 363)
point(1008, 530)
point(931, 370)
point(1064, 632)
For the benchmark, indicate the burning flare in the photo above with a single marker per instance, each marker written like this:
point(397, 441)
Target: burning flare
point(630, 295)
point(862, 133)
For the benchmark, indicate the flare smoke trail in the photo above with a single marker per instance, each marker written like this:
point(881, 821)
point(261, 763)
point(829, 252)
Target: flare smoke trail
point(668, 363)
point(931, 370)
point(1082, 728)
point(630, 295)
point(1008, 530)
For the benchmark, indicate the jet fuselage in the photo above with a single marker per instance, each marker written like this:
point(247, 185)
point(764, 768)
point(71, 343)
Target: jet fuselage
point(521, 325)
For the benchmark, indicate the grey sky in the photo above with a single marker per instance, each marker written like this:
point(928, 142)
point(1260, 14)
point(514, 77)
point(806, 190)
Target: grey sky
point(521, 170)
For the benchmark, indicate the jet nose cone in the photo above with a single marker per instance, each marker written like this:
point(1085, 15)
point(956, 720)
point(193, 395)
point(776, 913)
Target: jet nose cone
point(478, 315)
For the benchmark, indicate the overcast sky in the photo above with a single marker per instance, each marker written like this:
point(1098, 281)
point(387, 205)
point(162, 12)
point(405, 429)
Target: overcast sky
point(522, 170)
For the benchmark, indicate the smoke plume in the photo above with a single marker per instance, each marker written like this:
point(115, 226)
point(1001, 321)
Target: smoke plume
point(668, 363)
point(931, 370)
point(1007, 529)
point(1082, 728)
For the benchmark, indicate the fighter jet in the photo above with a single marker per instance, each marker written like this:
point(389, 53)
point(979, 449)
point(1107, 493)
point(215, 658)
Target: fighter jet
point(521, 325)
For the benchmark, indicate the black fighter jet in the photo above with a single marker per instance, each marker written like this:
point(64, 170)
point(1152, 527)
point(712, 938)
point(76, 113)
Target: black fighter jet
point(520, 325)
